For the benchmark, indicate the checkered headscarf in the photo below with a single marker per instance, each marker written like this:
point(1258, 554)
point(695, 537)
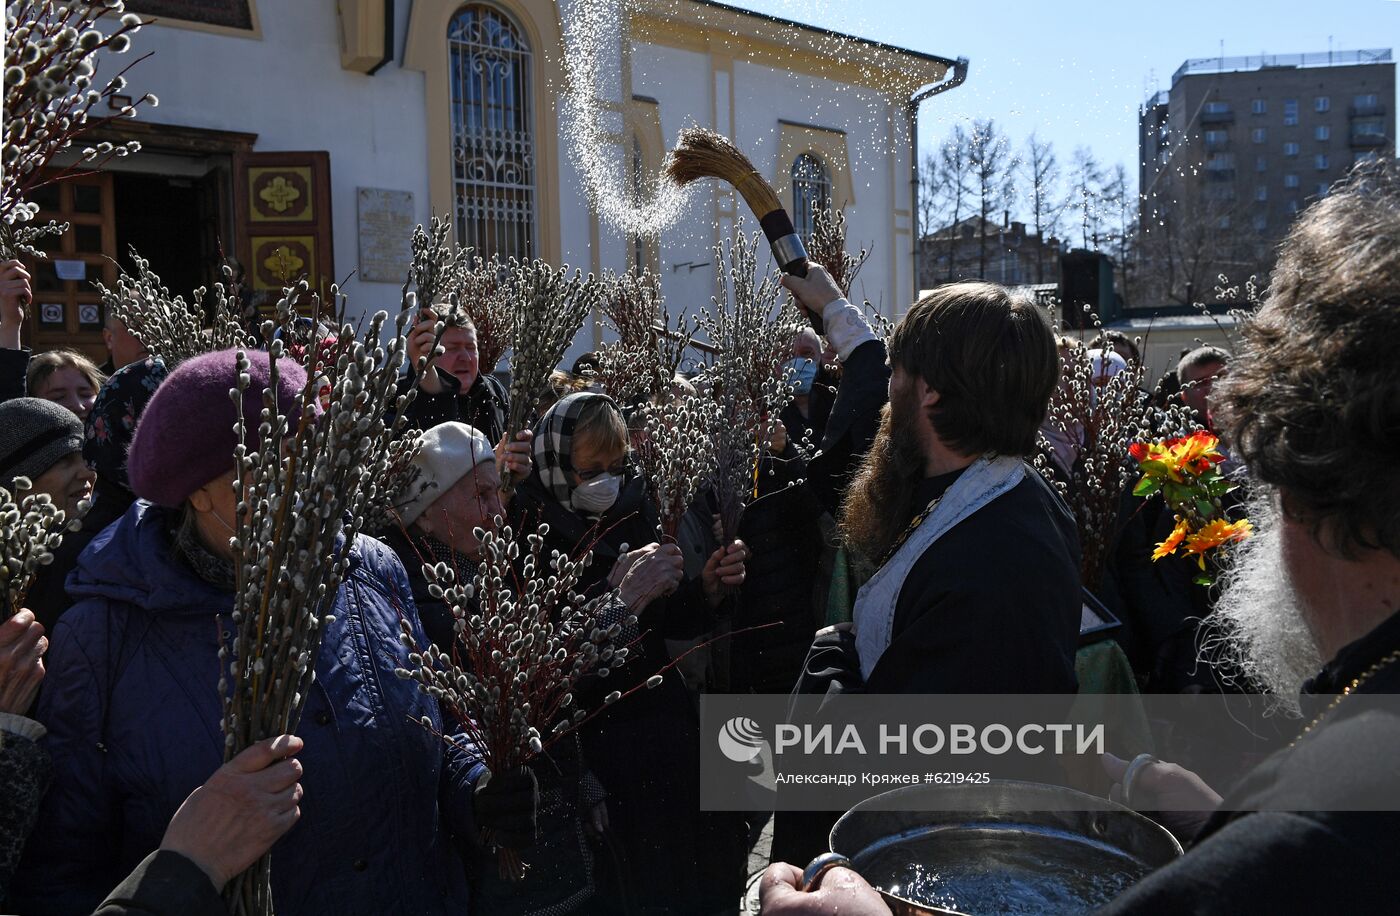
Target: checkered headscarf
point(554, 443)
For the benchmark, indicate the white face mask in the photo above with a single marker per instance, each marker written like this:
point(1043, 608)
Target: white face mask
point(596, 496)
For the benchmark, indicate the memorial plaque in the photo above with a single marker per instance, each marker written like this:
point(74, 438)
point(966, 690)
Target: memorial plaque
point(231, 14)
point(386, 226)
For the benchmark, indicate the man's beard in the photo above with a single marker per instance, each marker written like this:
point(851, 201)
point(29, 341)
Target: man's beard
point(880, 500)
point(1258, 627)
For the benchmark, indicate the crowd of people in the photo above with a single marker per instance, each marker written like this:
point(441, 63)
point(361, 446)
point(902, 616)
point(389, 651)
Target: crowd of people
point(912, 531)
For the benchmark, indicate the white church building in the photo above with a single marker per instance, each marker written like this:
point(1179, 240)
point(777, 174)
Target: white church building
point(316, 133)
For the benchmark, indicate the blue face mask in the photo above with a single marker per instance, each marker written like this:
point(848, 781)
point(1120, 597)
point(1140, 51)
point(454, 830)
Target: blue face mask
point(801, 372)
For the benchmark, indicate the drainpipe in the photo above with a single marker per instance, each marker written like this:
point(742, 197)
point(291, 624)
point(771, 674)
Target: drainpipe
point(959, 76)
point(388, 39)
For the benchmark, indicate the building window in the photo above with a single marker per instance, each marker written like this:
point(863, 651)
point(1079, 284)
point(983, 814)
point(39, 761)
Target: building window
point(1290, 149)
point(1293, 206)
point(1365, 101)
point(1290, 112)
point(1261, 164)
point(1368, 127)
point(1217, 137)
point(1320, 162)
point(1322, 103)
point(1290, 181)
point(1259, 106)
point(493, 152)
point(811, 185)
point(1261, 193)
point(1261, 222)
point(1259, 135)
point(1323, 188)
point(1367, 156)
point(1322, 132)
point(1217, 108)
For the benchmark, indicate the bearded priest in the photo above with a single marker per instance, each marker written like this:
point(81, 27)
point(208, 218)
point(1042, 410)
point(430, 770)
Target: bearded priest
point(977, 584)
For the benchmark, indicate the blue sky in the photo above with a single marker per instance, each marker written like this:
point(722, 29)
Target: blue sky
point(1076, 71)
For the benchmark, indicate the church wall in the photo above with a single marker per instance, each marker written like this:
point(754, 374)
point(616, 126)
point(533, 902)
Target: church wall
point(288, 88)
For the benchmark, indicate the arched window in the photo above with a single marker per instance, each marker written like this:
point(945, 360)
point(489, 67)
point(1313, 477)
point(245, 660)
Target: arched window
point(811, 185)
point(493, 151)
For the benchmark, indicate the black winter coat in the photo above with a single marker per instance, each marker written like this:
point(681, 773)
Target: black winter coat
point(994, 605)
point(1316, 861)
point(48, 596)
point(783, 533)
point(14, 373)
point(486, 406)
point(164, 884)
point(852, 424)
point(644, 750)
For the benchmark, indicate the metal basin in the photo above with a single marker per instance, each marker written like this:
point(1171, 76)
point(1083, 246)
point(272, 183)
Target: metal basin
point(1005, 847)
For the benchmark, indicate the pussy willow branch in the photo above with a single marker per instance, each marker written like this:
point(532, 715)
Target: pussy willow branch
point(168, 326)
point(51, 58)
point(1100, 421)
point(746, 380)
point(643, 361)
point(676, 454)
point(524, 640)
point(828, 247)
point(550, 307)
point(31, 529)
point(301, 504)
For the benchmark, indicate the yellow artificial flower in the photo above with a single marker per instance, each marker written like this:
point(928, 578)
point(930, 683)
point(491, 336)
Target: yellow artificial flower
point(1173, 541)
point(1216, 534)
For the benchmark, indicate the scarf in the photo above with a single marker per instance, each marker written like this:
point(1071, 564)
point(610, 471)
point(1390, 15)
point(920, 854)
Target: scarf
point(200, 560)
point(554, 437)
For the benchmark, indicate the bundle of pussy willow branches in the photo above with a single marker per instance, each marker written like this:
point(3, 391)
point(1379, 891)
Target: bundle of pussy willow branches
point(169, 327)
point(746, 382)
point(642, 362)
point(676, 454)
point(301, 503)
point(31, 529)
point(549, 308)
point(485, 300)
point(1094, 416)
point(52, 51)
point(524, 640)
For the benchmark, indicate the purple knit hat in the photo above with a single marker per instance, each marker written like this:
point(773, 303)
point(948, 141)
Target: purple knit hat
point(185, 436)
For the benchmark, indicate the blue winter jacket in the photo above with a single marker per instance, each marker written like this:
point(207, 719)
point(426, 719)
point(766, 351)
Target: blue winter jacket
point(132, 708)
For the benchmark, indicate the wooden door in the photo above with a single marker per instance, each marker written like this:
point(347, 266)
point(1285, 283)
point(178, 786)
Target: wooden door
point(282, 207)
point(67, 309)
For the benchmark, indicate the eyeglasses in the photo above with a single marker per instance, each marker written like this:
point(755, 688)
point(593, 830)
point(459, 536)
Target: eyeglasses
point(620, 469)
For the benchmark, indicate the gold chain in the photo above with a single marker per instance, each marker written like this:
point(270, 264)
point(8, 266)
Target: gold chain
point(1350, 689)
point(913, 526)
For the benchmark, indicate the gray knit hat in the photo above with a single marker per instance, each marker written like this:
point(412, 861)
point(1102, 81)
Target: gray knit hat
point(34, 436)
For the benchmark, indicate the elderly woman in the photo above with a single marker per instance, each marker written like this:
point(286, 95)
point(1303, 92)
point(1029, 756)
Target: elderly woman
point(132, 703)
point(585, 490)
point(65, 377)
point(458, 491)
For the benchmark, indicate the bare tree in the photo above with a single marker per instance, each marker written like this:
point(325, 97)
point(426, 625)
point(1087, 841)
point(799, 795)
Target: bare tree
point(1086, 177)
point(1192, 240)
point(1041, 173)
point(1119, 204)
point(933, 201)
point(991, 170)
point(955, 162)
